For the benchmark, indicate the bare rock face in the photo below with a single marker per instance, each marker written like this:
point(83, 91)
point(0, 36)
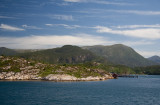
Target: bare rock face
point(18, 76)
point(66, 77)
point(50, 77)
point(58, 77)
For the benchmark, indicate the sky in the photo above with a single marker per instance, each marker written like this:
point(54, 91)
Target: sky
point(42, 24)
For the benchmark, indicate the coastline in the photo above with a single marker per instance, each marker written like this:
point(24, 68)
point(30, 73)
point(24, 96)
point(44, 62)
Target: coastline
point(13, 68)
point(11, 76)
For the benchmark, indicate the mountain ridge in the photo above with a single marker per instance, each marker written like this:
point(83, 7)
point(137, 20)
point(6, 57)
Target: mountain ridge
point(65, 54)
point(118, 54)
point(155, 58)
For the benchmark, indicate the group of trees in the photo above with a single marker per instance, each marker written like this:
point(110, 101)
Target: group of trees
point(150, 70)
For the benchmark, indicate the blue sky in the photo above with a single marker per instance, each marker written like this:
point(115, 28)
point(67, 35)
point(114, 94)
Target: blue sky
point(39, 24)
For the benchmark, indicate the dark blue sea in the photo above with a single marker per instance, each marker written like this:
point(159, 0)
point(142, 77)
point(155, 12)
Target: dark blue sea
point(144, 90)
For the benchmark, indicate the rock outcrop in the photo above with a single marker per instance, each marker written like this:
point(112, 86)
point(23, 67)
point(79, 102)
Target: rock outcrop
point(18, 76)
point(50, 77)
point(20, 69)
point(65, 77)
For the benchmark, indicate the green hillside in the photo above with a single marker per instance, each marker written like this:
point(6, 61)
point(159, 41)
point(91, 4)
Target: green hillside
point(66, 54)
point(120, 54)
point(116, 54)
point(150, 70)
point(6, 51)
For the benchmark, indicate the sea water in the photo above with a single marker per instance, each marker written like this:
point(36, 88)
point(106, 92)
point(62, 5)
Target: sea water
point(144, 90)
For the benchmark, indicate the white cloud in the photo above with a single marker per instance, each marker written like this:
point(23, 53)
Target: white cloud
point(137, 12)
point(137, 43)
point(62, 17)
point(148, 53)
point(148, 33)
point(50, 41)
point(49, 25)
point(97, 2)
point(64, 25)
point(107, 2)
point(10, 28)
point(74, 0)
point(138, 26)
point(30, 27)
point(63, 4)
point(6, 17)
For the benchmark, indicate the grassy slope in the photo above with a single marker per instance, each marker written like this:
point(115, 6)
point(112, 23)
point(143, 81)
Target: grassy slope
point(120, 54)
point(66, 54)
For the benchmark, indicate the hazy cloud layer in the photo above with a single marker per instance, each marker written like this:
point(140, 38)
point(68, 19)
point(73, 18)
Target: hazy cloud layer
point(50, 41)
point(43, 41)
point(148, 33)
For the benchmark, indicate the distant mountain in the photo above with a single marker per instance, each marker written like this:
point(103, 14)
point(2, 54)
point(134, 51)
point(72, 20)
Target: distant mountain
point(6, 51)
point(120, 54)
point(66, 54)
point(115, 54)
point(155, 59)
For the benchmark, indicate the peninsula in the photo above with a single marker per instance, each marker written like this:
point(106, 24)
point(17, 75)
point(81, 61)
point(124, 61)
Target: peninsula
point(14, 68)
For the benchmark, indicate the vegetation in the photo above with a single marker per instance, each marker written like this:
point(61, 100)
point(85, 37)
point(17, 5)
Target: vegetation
point(9, 65)
point(66, 54)
point(74, 70)
point(120, 54)
point(117, 54)
point(150, 70)
point(80, 62)
point(15, 64)
point(78, 70)
point(6, 51)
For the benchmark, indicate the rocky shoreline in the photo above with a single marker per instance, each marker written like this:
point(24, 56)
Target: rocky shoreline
point(12, 68)
point(50, 77)
point(65, 77)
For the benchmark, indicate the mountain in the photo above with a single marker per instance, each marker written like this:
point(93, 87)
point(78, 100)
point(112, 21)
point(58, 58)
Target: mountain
point(155, 59)
point(120, 54)
point(66, 54)
point(115, 54)
point(6, 51)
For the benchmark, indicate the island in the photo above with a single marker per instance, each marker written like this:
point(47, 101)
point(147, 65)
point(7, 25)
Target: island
point(15, 68)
